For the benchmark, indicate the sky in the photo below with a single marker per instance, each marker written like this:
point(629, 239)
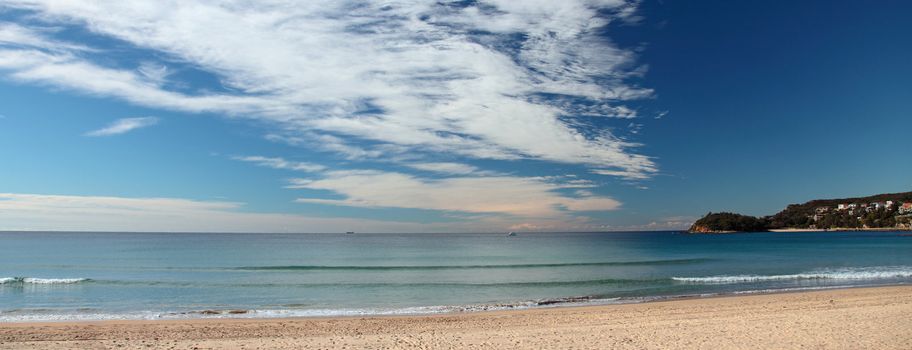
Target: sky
point(444, 116)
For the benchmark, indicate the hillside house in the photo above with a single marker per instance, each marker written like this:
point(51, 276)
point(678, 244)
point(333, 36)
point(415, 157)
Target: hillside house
point(906, 208)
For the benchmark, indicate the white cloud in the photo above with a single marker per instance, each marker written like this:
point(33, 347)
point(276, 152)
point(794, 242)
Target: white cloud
point(96, 213)
point(508, 195)
point(444, 167)
point(412, 76)
point(154, 72)
point(15, 35)
point(124, 125)
point(629, 175)
point(280, 163)
point(69, 71)
point(38, 212)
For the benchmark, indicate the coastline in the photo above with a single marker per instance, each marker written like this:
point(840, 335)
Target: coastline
point(863, 317)
point(841, 229)
point(780, 230)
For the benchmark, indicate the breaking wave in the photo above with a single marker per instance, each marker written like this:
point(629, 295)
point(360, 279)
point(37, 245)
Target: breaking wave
point(33, 280)
point(867, 273)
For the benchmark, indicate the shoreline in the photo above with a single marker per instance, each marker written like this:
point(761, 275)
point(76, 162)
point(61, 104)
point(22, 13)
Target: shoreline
point(855, 317)
point(841, 229)
point(469, 309)
point(798, 230)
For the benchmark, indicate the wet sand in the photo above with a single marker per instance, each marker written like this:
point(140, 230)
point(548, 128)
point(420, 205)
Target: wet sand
point(857, 318)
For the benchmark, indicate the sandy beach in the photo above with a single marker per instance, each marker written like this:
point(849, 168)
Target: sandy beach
point(857, 318)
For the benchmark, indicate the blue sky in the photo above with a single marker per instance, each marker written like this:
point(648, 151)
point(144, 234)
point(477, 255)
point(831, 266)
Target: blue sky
point(444, 116)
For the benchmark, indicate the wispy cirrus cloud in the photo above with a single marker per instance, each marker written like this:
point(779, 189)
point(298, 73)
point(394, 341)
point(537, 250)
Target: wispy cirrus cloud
point(448, 168)
point(124, 125)
point(281, 163)
point(153, 72)
point(625, 174)
point(488, 80)
point(16, 36)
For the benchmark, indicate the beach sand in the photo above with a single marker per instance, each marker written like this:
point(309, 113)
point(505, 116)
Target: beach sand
point(857, 318)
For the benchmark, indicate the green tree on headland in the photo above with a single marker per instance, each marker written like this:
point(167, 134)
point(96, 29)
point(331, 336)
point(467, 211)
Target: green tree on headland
point(849, 213)
point(726, 222)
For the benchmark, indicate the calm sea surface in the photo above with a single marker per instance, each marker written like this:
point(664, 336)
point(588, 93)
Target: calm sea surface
point(57, 276)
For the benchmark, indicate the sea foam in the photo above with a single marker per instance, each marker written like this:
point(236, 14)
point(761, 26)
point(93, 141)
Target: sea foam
point(32, 280)
point(867, 273)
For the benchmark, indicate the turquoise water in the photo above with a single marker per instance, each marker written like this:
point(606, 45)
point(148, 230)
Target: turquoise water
point(57, 276)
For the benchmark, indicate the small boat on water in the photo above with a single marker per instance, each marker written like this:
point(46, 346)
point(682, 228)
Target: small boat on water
point(350, 232)
point(511, 234)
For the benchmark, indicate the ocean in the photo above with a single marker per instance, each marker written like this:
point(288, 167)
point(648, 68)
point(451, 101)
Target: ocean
point(48, 276)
